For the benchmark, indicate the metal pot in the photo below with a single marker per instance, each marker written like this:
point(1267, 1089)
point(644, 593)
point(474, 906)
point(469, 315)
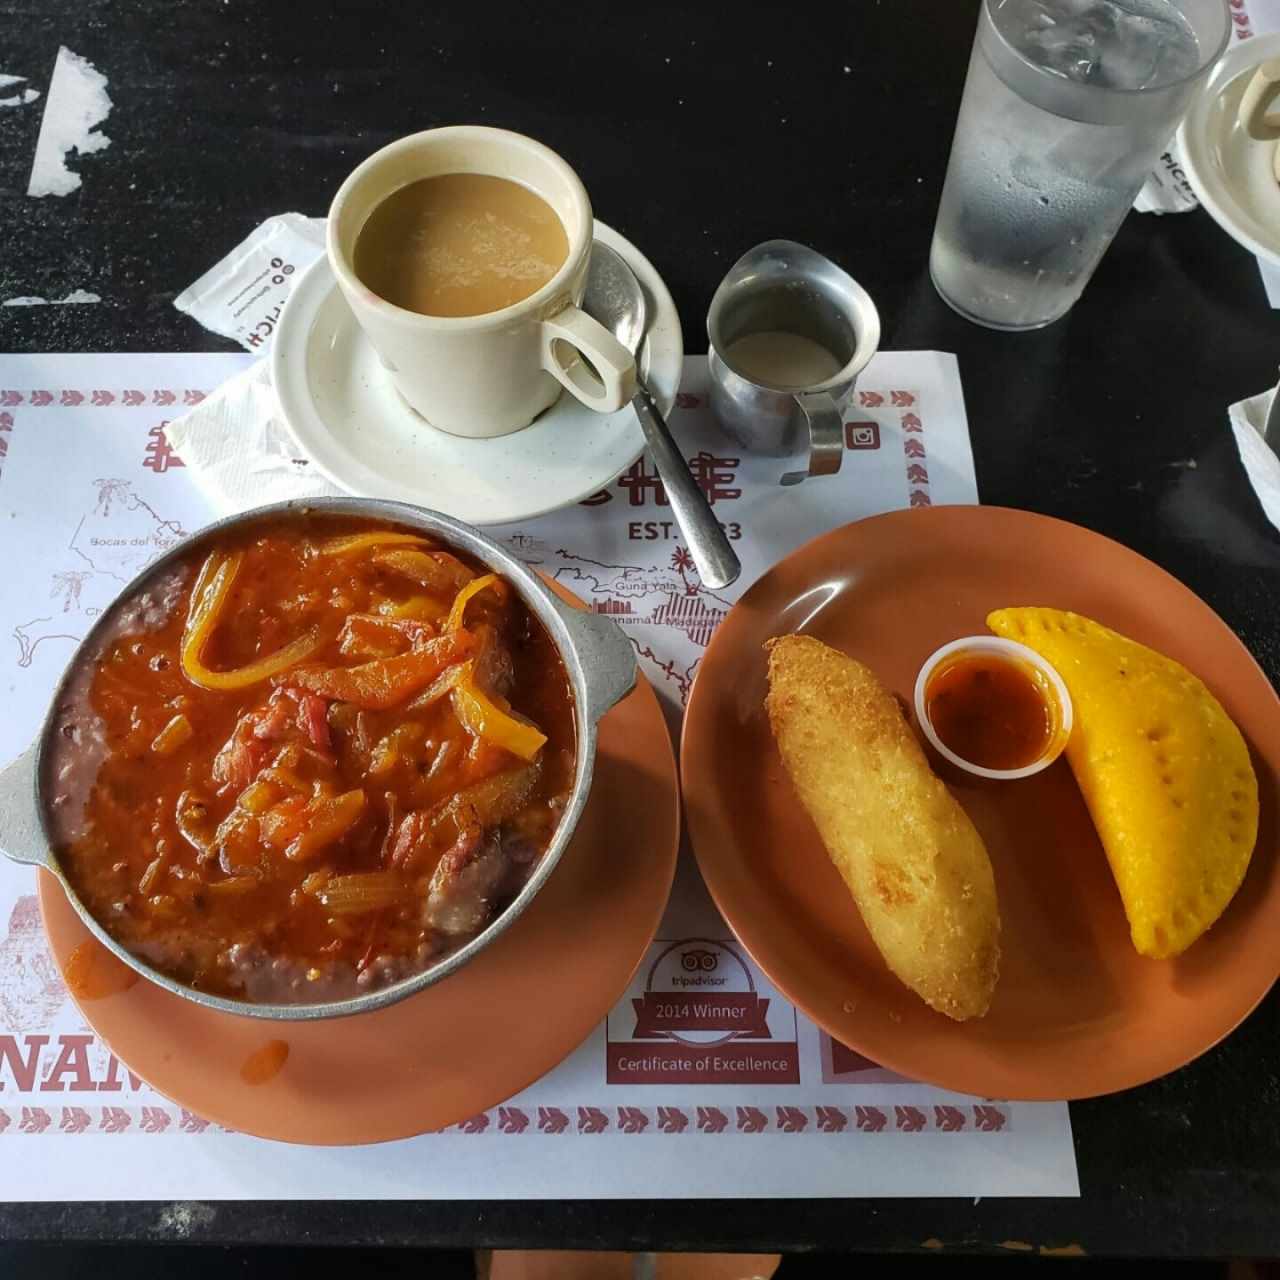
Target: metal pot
point(598, 658)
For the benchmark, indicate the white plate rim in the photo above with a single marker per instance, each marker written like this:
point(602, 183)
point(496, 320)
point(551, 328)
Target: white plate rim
point(1215, 195)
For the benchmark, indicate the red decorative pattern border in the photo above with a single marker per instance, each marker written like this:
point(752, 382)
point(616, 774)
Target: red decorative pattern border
point(157, 456)
point(865, 1118)
point(111, 1120)
point(1240, 17)
point(100, 399)
point(576, 1121)
point(915, 457)
point(914, 461)
point(6, 430)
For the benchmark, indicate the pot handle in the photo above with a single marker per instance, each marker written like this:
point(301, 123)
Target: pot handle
point(21, 838)
point(607, 657)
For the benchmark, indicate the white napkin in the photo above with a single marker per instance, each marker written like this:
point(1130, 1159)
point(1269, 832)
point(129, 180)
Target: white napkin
point(236, 445)
point(1248, 418)
point(237, 448)
point(1270, 282)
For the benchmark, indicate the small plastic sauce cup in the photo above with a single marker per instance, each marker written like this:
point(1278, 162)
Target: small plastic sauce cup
point(973, 656)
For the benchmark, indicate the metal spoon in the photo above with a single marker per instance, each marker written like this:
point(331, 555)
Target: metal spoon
point(614, 298)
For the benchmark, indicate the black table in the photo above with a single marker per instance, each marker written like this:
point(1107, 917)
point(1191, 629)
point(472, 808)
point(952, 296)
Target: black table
point(698, 134)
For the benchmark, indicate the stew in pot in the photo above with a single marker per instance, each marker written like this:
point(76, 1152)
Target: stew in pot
point(309, 759)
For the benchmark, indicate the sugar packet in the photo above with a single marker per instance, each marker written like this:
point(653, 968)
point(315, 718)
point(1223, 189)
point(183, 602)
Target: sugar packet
point(242, 296)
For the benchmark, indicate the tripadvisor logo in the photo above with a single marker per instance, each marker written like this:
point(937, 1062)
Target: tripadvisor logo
point(700, 992)
point(699, 967)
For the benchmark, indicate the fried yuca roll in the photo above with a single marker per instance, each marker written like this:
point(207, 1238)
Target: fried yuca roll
point(912, 860)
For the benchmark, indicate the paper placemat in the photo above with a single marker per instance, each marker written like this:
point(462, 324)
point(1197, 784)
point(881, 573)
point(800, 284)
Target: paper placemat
point(90, 491)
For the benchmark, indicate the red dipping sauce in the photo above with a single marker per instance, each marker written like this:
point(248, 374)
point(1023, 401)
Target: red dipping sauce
point(991, 711)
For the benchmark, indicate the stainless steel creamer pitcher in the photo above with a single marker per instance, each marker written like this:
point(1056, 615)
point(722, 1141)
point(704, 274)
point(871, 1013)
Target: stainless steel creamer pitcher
point(823, 328)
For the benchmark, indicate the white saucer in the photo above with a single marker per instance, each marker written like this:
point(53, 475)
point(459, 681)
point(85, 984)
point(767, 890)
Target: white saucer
point(1230, 171)
point(351, 422)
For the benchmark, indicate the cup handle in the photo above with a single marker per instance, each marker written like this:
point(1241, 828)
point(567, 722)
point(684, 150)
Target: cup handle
point(21, 839)
point(826, 435)
point(570, 340)
point(1258, 99)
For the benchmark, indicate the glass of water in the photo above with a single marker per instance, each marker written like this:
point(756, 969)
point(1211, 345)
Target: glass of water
point(1066, 109)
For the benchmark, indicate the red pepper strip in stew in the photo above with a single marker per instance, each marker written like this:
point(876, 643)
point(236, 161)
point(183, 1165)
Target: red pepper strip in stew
point(438, 571)
point(388, 681)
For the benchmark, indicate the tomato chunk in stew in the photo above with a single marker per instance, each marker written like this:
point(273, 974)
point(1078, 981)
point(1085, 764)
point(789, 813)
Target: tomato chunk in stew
point(310, 759)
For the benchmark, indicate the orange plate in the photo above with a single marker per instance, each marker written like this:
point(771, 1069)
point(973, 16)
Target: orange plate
point(1077, 1011)
point(515, 1011)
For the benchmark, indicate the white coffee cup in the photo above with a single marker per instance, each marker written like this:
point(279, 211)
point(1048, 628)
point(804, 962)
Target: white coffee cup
point(491, 374)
